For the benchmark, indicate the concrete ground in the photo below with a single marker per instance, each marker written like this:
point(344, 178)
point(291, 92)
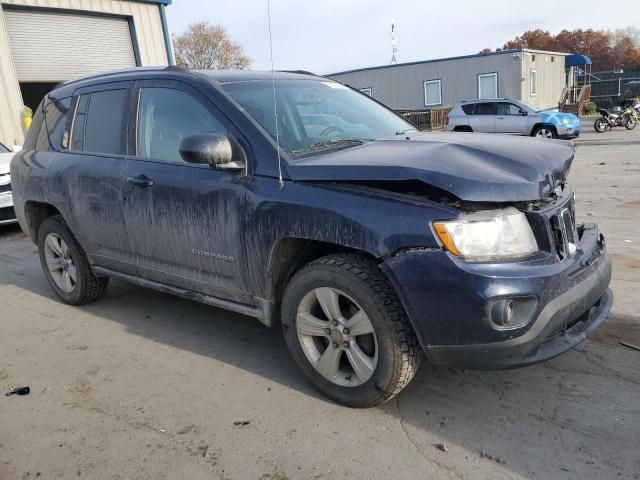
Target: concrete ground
point(144, 385)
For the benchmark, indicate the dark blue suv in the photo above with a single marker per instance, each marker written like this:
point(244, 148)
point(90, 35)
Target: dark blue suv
point(301, 202)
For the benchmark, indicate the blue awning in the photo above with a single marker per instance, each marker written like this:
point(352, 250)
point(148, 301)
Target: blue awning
point(576, 59)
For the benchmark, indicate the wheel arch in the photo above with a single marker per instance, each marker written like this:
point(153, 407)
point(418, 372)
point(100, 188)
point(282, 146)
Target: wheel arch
point(288, 256)
point(543, 124)
point(36, 213)
point(463, 128)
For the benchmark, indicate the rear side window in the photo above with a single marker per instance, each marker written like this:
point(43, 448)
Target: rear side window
point(486, 109)
point(56, 121)
point(468, 109)
point(99, 125)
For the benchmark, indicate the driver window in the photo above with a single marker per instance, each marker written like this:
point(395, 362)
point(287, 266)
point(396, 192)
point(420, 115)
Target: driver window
point(165, 117)
point(509, 109)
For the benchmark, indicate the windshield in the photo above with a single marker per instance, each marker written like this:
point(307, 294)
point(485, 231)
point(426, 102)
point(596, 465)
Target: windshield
point(529, 106)
point(316, 116)
point(4, 149)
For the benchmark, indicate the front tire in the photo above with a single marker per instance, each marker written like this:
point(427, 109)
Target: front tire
point(545, 132)
point(347, 331)
point(65, 264)
point(631, 123)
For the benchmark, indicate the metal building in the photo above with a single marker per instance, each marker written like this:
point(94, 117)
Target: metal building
point(533, 76)
point(44, 42)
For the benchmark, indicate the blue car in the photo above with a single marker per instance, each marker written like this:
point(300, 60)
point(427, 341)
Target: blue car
point(514, 117)
point(367, 242)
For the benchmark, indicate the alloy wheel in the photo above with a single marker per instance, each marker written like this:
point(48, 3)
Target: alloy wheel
point(544, 133)
point(59, 263)
point(337, 337)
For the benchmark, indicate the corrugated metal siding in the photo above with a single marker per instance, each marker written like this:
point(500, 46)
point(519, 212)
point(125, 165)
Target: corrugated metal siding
point(401, 87)
point(551, 78)
point(10, 98)
point(151, 45)
point(146, 18)
point(54, 46)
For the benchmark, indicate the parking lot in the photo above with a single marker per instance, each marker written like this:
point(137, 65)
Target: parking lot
point(146, 385)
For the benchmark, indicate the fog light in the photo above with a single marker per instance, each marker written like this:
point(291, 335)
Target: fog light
point(515, 312)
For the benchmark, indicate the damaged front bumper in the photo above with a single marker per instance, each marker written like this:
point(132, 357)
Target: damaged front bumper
point(450, 302)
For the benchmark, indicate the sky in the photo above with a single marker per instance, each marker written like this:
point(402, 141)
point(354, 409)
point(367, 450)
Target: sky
point(325, 36)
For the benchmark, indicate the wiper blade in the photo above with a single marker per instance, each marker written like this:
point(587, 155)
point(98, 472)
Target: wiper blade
point(402, 132)
point(330, 143)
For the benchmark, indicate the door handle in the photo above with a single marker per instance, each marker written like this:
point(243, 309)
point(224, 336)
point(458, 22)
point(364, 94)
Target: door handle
point(500, 118)
point(141, 181)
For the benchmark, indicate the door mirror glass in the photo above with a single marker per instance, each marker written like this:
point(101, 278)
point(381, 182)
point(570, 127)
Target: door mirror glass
point(217, 150)
point(523, 113)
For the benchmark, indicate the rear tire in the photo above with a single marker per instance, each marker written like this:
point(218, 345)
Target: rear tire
point(600, 125)
point(364, 367)
point(65, 264)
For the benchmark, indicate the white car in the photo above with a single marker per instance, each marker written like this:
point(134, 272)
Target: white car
point(7, 214)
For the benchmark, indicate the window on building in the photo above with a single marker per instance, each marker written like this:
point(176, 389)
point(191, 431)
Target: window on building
point(99, 124)
point(432, 93)
point(533, 82)
point(488, 85)
point(165, 117)
point(533, 58)
point(367, 91)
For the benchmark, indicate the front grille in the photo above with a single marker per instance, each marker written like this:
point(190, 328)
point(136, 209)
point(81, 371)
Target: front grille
point(5, 188)
point(564, 232)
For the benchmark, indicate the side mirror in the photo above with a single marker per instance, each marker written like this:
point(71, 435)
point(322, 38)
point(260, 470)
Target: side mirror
point(216, 150)
point(523, 113)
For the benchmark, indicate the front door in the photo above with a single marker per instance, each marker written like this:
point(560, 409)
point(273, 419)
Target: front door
point(184, 220)
point(512, 119)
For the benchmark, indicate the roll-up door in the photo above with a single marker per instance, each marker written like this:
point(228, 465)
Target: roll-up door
point(52, 46)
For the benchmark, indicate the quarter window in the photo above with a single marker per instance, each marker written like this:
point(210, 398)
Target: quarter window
point(367, 91)
point(488, 85)
point(432, 93)
point(56, 121)
point(165, 117)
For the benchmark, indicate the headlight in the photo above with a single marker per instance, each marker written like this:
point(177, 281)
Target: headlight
point(488, 235)
point(566, 121)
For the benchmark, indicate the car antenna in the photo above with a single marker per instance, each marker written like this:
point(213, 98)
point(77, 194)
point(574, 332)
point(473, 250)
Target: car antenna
point(275, 103)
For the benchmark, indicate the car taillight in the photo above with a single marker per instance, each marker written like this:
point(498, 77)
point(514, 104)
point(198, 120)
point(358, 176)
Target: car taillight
point(446, 120)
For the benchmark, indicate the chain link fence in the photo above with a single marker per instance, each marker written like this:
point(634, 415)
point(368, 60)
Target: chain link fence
point(609, 88)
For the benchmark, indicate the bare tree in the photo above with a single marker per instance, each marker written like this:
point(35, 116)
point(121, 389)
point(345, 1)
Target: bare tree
point(204, 46)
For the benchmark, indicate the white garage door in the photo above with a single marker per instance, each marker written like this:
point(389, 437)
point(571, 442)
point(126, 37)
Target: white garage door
point(51, 47)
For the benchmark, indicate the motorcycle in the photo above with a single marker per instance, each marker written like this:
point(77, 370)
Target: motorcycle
point(618, 117)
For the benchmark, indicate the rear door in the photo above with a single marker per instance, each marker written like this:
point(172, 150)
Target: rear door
point(511, 119)
point(87, 183)
point(184, 220)
point(484, 118)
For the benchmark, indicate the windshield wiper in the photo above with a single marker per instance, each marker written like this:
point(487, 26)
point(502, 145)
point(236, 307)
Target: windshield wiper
point(402, 132)
point(336, 142)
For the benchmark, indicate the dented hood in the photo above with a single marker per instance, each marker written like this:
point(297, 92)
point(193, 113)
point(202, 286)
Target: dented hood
point(473, 167)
